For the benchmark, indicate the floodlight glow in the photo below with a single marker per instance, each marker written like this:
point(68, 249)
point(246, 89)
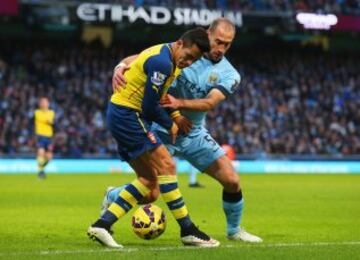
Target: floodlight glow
point(317, 21)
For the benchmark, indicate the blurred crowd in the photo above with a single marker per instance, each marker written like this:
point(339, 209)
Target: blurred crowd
point(335, 6)
point(293, 103)
point(287, 103)
point(77, 82)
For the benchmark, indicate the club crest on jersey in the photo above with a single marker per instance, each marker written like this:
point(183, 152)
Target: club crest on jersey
point(151, 137)
point(158, 78)
point(213, 78)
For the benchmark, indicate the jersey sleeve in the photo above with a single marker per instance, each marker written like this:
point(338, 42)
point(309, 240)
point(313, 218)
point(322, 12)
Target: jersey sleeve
point(32, 125)
point(228, 82)
point(157, 70)
point(52, 118)
point(54, 124)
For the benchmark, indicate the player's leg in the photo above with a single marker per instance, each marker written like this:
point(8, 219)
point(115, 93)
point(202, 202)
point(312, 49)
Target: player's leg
point(170, 192)
point(193, 182)
point(135, 147)
point(110, 196)
point(113, 192)
point(144, 185)
point(205, 154)
point(49, 153)
point(41, 159)
point(44, 154)
point(168, 187)
point(233, 202)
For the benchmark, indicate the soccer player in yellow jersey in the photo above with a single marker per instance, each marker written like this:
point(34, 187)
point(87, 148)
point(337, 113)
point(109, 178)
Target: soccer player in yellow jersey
point(130, 114)
point(44, 130)
point(200, 88)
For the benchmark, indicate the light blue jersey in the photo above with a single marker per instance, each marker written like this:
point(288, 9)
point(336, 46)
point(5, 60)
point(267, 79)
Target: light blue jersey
point(199, 79)
point(196, 82)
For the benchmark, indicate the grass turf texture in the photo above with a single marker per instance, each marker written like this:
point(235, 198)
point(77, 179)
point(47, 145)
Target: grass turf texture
point(294, 214)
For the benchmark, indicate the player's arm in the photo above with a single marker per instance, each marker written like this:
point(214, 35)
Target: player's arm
point(218, 93)
point(32, 124)
point(182, 122)
point(51, 121)
point(214, 97)
point(157, 72)
point(118, 79)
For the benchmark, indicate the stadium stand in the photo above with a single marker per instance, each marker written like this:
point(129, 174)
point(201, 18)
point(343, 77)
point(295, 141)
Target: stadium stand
point(335, 6)
point(287, 103)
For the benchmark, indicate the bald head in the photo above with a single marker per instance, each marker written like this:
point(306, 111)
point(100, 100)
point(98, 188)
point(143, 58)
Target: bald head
point(225, 24)
point(221, 34)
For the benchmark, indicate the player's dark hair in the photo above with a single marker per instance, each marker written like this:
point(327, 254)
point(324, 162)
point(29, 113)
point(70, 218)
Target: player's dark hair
point(197, 36)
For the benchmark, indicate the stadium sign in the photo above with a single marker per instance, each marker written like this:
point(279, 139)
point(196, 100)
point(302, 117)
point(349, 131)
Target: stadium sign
point(317, 21)
point(153, 15)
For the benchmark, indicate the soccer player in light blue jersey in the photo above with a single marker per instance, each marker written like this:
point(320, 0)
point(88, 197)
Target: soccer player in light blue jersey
point(197, 90)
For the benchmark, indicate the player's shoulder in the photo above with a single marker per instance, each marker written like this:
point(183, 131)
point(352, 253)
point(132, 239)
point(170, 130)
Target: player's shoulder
point(159, 58)
point(37, 112)
point(226, 69)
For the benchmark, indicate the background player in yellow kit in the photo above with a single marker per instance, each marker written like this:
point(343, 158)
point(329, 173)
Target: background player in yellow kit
point(44, 130)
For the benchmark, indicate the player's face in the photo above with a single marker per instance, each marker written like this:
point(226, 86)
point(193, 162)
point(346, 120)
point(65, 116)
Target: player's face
point(44, 103)
point(187, 55)
point(220, 41)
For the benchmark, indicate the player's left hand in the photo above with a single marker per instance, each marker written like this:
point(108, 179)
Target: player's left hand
point(170, 102)
point(118, 80)
point(183, 123)
point(173, 131)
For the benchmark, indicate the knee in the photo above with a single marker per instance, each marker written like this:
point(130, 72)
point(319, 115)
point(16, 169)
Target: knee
point(168, 167)
point(41, 152)
point(152, 184)
point(232, 182)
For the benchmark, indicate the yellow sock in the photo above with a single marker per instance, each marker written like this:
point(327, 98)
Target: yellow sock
point(128, 198)
point(41, 162)
point(173, 198)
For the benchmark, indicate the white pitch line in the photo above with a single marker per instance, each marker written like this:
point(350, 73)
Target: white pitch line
point(299, 244)
point(134, 249)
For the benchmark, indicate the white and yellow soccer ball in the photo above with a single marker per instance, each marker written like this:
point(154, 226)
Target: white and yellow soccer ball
point(149, 221)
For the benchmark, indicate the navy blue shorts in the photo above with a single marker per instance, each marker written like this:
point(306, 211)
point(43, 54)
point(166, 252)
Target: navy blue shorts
point(131, 132)
point(44, 142)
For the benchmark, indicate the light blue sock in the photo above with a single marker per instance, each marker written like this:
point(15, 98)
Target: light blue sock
point(233, 213)
point(113, 194)
point(192, 175)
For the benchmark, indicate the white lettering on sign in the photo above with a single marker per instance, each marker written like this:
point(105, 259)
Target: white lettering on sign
point(154, 15)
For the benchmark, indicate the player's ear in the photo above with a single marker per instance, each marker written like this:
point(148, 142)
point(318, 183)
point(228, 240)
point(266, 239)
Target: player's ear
point(179, 43)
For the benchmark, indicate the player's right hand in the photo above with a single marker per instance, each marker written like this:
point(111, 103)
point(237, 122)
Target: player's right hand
point(183, 123)
point(173, 131)
point(118, 80)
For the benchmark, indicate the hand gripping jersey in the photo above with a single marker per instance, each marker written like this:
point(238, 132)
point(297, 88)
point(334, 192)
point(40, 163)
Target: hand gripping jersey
point(199, 79)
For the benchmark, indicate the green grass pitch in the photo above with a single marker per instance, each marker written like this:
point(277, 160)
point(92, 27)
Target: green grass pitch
point(298, 216)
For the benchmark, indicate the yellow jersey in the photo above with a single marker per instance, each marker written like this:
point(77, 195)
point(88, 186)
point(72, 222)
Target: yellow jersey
point(44, 121)
point(148, 80)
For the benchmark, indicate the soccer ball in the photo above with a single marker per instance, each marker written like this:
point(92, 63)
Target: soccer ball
point(149, 221)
